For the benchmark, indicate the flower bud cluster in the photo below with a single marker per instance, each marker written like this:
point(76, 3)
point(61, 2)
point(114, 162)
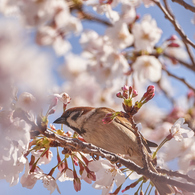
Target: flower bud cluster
point(128, 93)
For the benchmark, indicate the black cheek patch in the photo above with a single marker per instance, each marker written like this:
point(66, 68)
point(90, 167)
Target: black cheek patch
point(75, 116)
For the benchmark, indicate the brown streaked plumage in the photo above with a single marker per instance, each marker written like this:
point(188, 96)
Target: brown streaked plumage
point(117, 137)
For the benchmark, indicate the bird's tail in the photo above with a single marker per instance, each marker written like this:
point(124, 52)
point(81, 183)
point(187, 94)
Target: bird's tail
point(162, 188)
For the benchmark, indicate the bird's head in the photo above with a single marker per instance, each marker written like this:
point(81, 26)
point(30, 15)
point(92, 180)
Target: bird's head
point(75, 117)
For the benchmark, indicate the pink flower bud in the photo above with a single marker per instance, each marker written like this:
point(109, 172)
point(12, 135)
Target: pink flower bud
point(137, 17)
point(117, 190)
point(108, 118)
point(119, 95)
point(192, 162)
point(85, 159)
point(125, 88)
point(109, 1)
point(75, 159)
point(91, 175)
point(130, 90)
point(52, 111)
point(130, 186)
point(149, 98)
point(62, 167)
point(125, 95)
point(135, 93)
point(81, 168)
point(190, 94)
point(77, 184)
point(173, 38)
point(173, 45)
point(150, 89)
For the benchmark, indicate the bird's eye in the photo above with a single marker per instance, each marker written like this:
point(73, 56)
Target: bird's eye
point(68, 113)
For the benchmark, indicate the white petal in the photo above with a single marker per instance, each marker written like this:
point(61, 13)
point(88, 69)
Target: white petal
point(119, 178)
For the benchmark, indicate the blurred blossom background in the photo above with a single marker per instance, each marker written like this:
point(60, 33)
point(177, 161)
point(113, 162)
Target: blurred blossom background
point(90, 51)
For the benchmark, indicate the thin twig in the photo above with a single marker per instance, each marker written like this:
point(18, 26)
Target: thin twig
point(180, 79)
point(168, 9)
point(179, 28)
point(93, 18)
point(184, 4)
point(187, 65)
point(175, 24)
point(189, 53)
point(175, 174)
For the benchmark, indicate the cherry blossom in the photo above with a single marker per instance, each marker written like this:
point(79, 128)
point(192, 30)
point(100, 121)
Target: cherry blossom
point(186, 161)
point(26, 101)
point(48, 182)
point(146, 34)
point(148, 3)
point(107, 73)
point(45, 156)
point(63, 97)
point(180, 130)
point(177, 148)
point(28, 179)
point(15, 136)
point(175, 48)
point(88, 176)
point(105, 8)
point(147, 67)
point(106, 174)
point(73, 66)
point(96, 48)
point(119, 35)
point(128, 14)
point(65, 175)
point(85, 90)
point(30, 65)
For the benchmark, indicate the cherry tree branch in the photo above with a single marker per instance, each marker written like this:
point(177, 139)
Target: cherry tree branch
point(185, 5)
point(90, 17)
point(187, 65)
point(91, 149)
point(83, 15)
point(175, 24)
point(175, 174)
point(168, 8)
point(184, 41)
point(180, 79)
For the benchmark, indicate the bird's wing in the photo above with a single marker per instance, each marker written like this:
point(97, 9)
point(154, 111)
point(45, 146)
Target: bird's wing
point(123, 121)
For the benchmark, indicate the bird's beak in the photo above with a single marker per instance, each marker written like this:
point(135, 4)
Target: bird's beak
point(59, 120)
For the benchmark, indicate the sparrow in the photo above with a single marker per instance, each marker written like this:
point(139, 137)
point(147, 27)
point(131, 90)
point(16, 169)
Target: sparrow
point(117, 137)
